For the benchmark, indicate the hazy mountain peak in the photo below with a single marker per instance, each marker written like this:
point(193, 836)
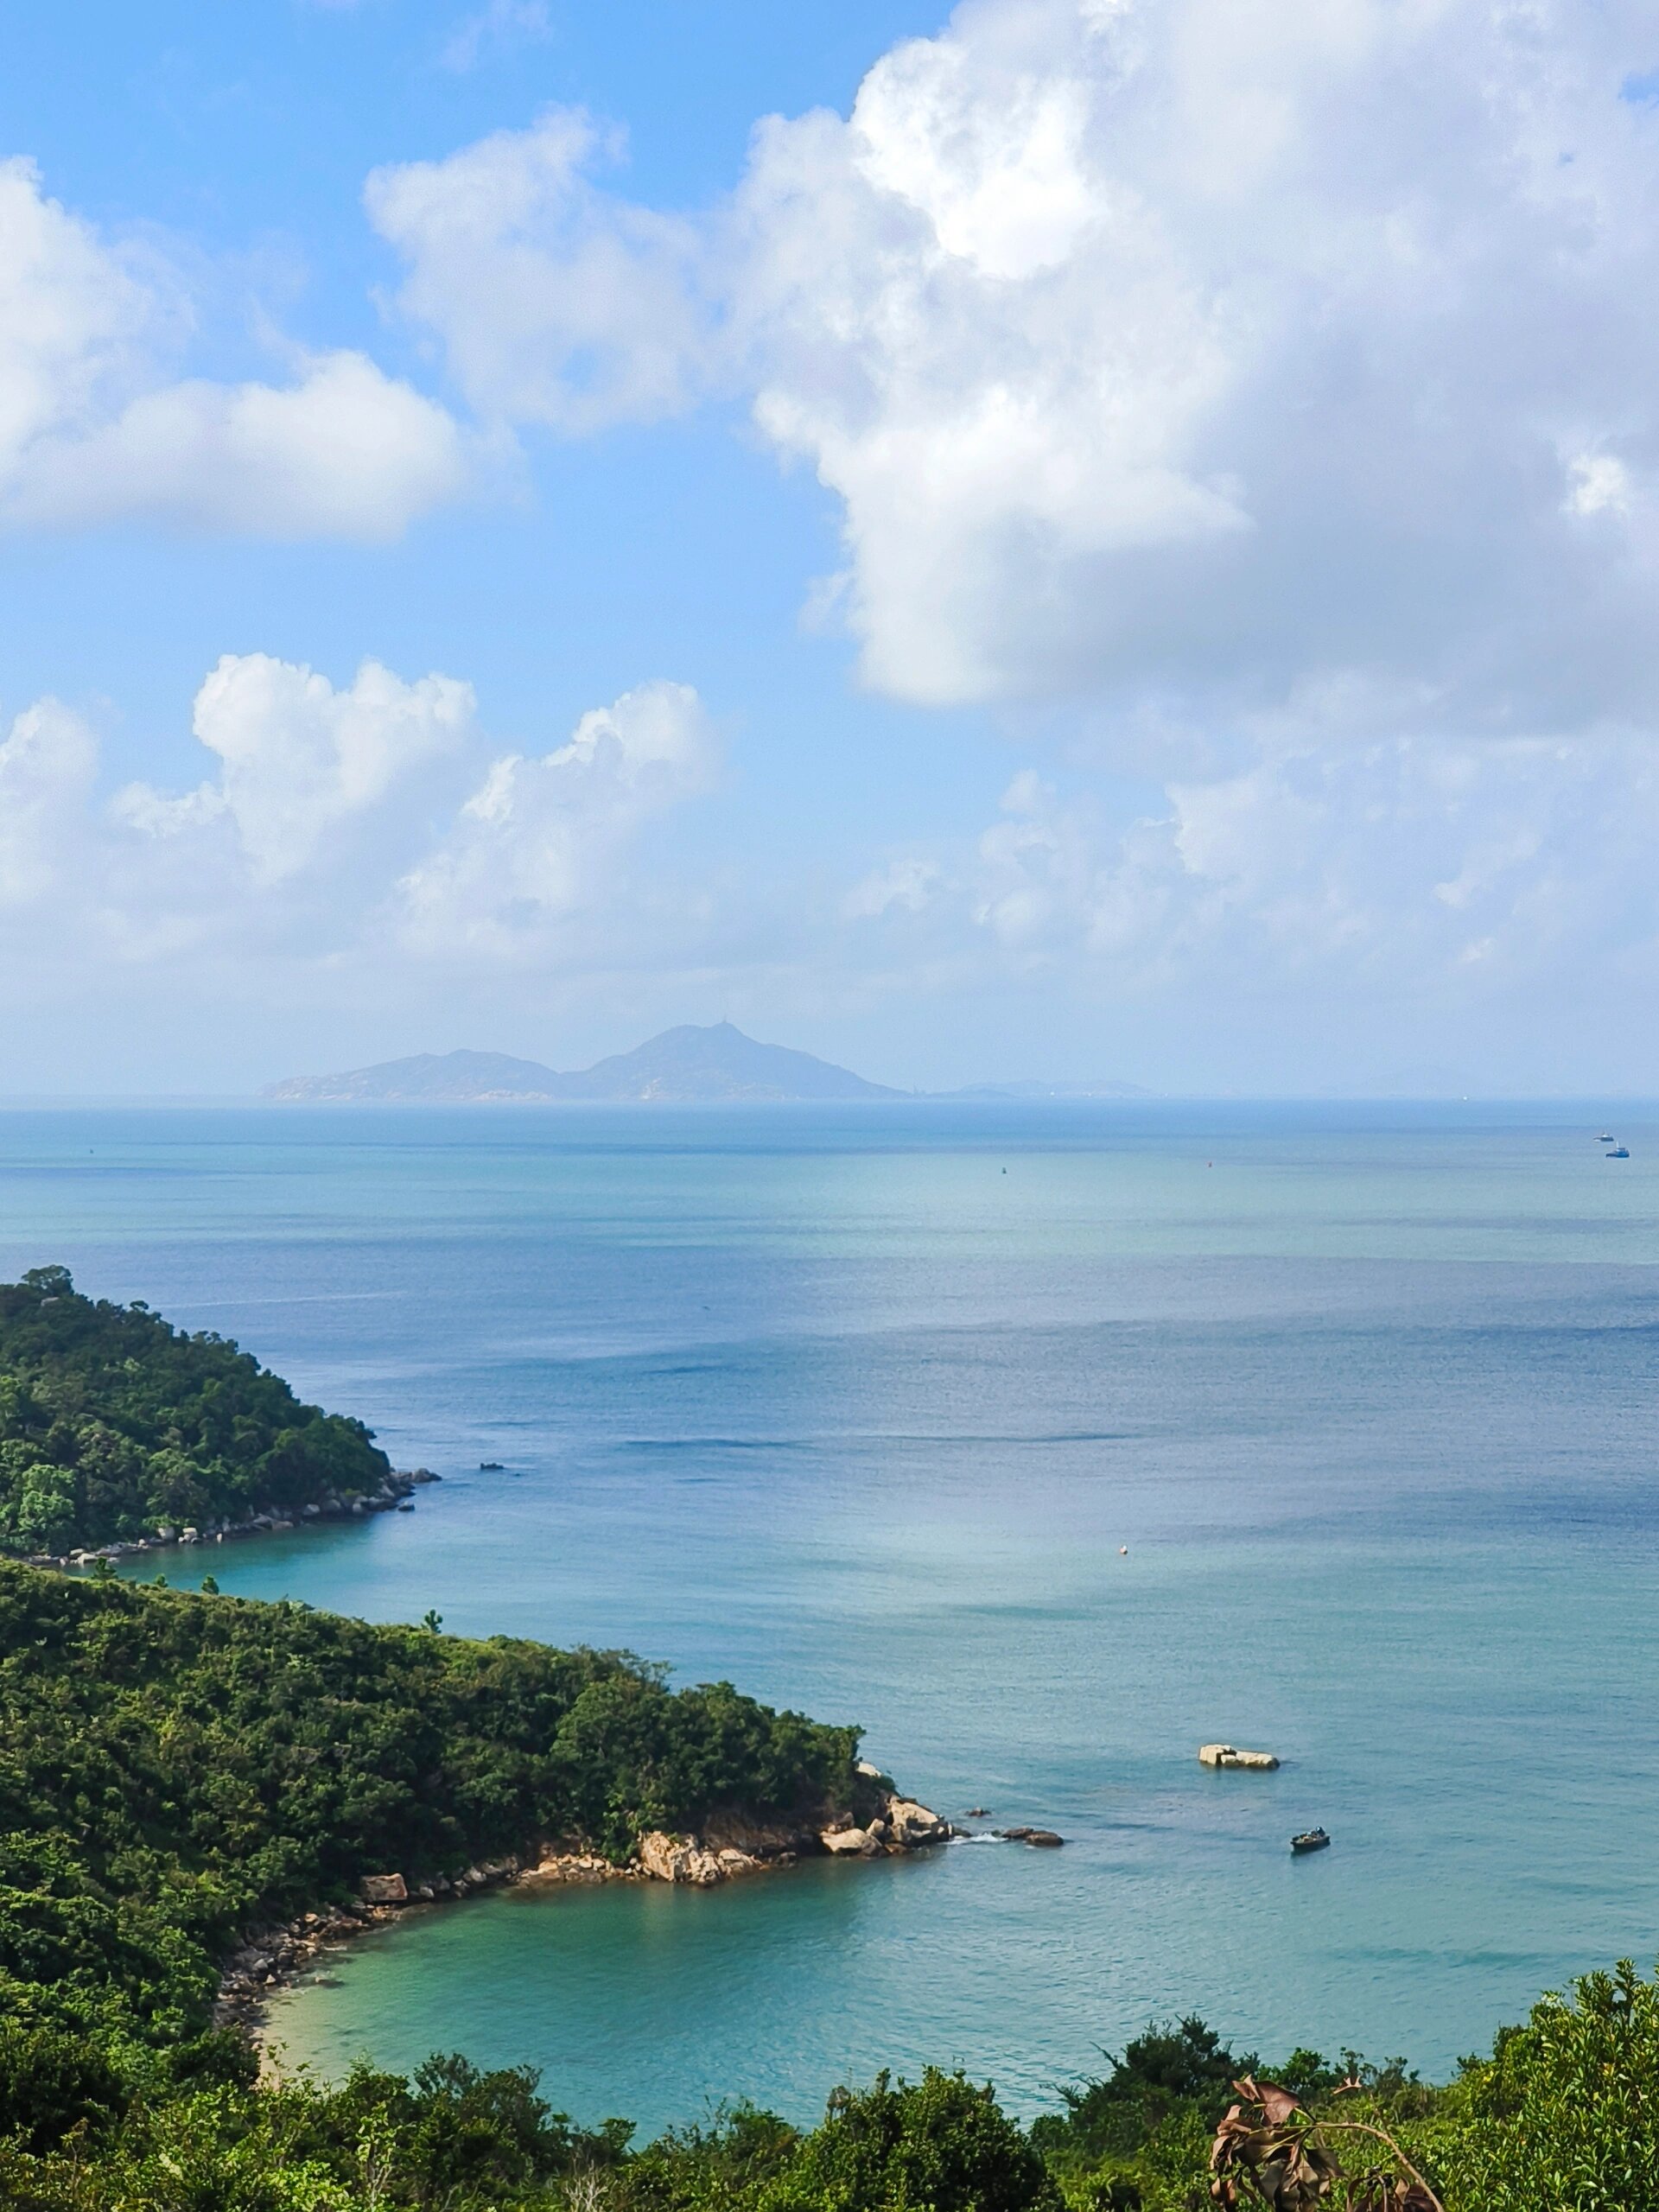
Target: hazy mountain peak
point(689, 1063)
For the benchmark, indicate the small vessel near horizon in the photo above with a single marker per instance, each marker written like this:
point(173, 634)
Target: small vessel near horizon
point(1310, 1839)
point(1604, 1138)
point(1619, 1152)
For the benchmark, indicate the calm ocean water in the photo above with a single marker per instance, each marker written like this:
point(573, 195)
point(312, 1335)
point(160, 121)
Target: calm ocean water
point(855, 1410)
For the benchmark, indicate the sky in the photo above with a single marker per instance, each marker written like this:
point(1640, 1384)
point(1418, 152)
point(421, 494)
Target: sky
point(1083, 539)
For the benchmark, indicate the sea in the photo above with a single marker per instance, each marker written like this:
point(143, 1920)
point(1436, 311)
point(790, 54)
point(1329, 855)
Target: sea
point(1046, 1443)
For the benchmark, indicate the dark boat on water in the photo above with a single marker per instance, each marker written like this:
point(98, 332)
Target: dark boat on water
point(1310, 1839)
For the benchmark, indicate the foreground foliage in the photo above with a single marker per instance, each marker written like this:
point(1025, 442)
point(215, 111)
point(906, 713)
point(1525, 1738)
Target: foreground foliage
point(1560, 2119)
point(114, 1424)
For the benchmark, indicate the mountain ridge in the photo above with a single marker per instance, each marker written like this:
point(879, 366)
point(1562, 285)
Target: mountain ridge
point(688, 1064)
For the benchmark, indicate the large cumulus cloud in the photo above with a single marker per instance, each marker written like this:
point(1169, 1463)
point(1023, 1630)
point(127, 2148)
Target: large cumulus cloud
point(1201, 349)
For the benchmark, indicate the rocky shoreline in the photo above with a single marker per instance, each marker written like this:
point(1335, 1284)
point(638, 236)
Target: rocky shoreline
point(729, 1848)
point(393, 1495)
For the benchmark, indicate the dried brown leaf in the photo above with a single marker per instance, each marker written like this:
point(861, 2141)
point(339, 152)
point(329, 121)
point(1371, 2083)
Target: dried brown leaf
point(1278, 2104)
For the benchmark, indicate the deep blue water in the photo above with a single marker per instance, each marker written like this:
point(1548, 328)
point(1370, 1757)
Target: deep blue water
point(830, 1404)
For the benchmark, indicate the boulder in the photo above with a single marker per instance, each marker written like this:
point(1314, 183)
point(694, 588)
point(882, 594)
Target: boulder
point(679, 1858)
point(845, 1843)
point(913, 1824)
point(383, 1888)
point(1226, 1755)
point(574, 1866)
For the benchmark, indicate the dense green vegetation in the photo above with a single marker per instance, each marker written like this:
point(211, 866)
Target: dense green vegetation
point(173, 1768)
point(114, 1424)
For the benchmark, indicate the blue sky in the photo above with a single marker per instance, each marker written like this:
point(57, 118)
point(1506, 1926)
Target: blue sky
point(1108, 538)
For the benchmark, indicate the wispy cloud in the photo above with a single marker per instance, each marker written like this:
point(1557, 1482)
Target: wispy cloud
point(502, 26)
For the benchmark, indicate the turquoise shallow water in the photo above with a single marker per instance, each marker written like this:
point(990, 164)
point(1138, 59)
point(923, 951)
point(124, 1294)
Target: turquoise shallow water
point(831, 1405)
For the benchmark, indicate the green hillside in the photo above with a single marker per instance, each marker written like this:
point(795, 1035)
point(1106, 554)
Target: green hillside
point(114, 1425)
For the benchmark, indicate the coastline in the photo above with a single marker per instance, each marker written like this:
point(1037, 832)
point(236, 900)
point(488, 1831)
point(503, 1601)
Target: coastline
point(729, 1848)
point(393, 1495)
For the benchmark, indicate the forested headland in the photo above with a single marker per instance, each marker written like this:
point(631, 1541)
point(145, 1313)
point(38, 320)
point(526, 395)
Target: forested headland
point(115, 1426)
point(174, 1767)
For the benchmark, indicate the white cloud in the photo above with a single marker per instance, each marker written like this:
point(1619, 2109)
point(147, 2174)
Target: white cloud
point(1191, 350)
point(1210, 345)
point(92, 427)
point(299, 759)
point(555, 304)
point(908, 883)
point(73, 316)
point(345, 452)
point(1381, 869)
point(501, 26)
point(47, 762)
point(540, 839)
point(312, 849)
point(1601, 485)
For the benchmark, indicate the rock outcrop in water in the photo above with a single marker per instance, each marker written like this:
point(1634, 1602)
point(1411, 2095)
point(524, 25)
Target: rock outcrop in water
point(732, 1848)
point(1225, 1755)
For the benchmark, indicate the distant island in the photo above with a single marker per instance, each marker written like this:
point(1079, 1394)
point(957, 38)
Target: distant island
point(689, 1066)
point(692, 1065)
